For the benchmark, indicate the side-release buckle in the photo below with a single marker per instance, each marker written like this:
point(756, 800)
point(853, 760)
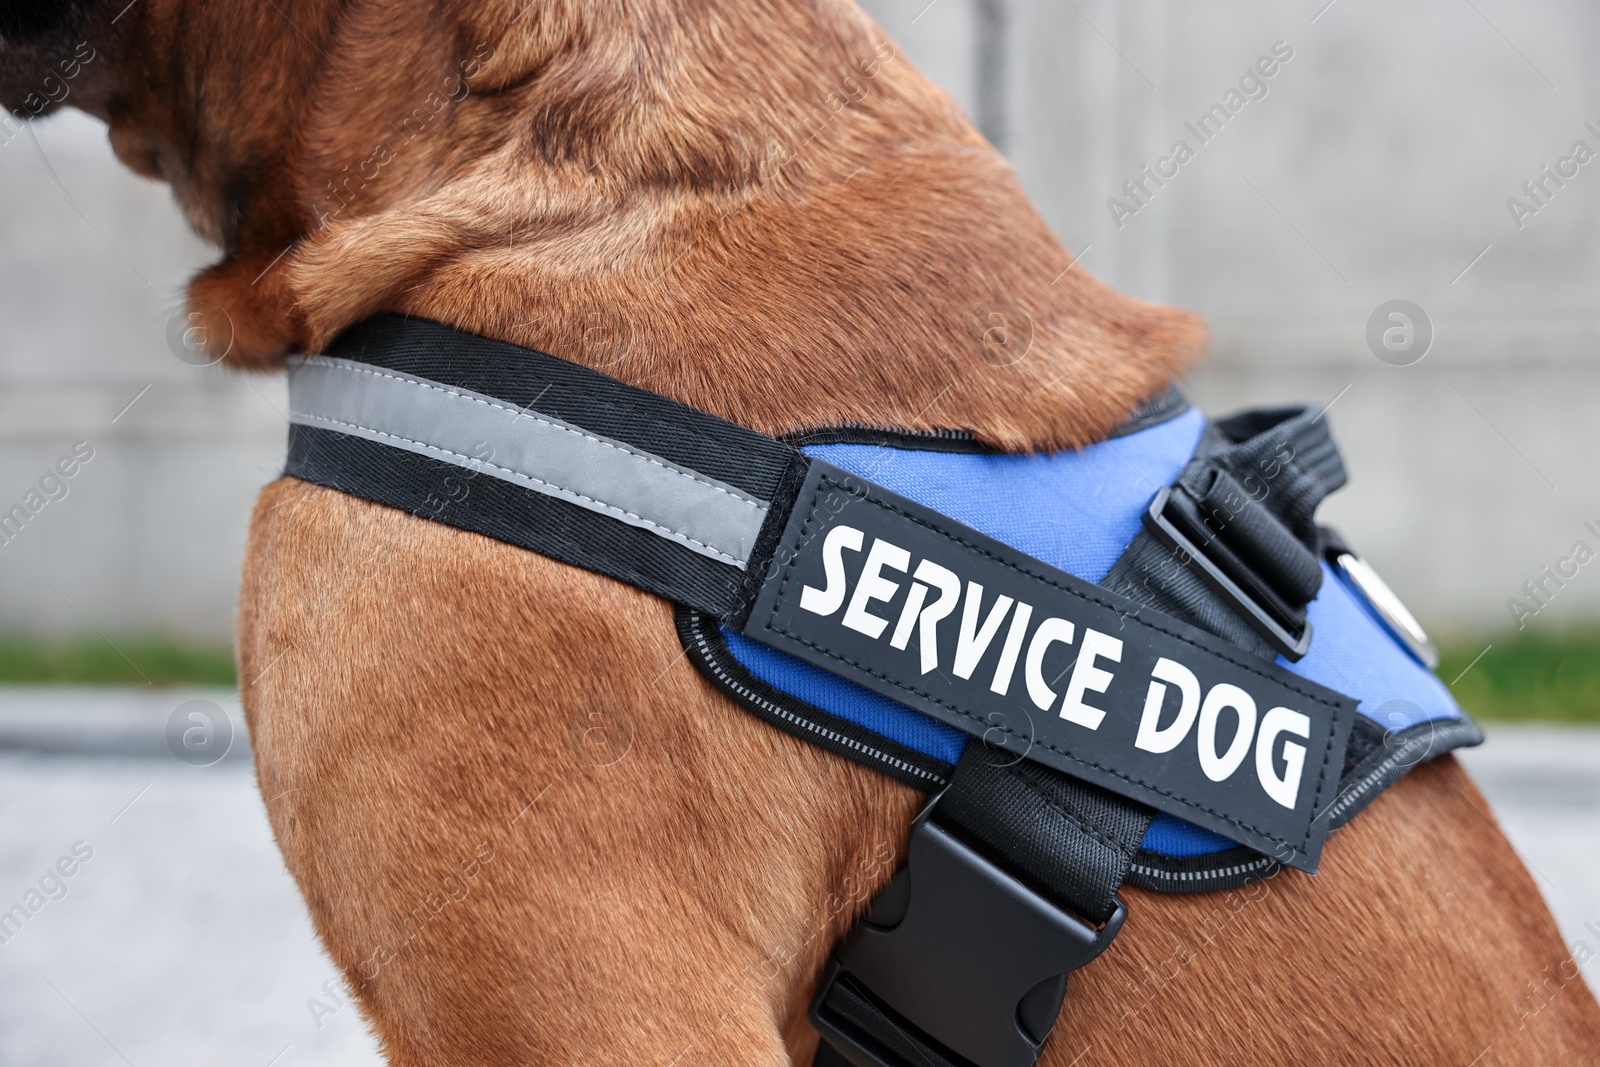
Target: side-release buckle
point(956, 963)
point(1171, 518)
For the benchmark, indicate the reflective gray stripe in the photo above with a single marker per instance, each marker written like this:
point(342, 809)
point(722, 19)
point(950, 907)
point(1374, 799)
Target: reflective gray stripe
point(534, 450)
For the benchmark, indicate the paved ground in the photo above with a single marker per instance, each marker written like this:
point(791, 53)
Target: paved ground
point(180, 939)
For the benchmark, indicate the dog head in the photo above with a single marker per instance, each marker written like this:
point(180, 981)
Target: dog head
point(184, 88)
point(203, 96)
point(281, 125)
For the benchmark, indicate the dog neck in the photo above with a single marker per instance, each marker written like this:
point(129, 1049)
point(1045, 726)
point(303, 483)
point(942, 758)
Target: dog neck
point(763, 210)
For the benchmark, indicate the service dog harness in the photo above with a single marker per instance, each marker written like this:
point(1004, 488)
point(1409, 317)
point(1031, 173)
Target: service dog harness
point(1174, 676)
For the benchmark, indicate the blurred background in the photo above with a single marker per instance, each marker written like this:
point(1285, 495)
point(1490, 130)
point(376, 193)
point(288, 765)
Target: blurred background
point(1426, 153)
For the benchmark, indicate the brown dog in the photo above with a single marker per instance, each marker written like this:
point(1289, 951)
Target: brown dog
point(764, 211)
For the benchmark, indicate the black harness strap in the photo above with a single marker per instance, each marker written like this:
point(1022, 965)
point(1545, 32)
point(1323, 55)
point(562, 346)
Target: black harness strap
point(461, 489)
point(1071, 839)
point(1232, 547)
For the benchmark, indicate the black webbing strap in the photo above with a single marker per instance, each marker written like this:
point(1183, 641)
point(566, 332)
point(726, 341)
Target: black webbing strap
point(1072, 840)
point(440, 491)
point(1247, 503)
point(891, 1036)
point(534, 387)
point(855, 1007)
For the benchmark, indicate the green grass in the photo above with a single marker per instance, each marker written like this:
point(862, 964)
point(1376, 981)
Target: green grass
point(1528, 677)
point(123, 660)
point(1525, 677)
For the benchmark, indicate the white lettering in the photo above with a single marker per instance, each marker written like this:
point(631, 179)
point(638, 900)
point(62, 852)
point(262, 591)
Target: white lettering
point(873, 586)
point(908, 616)
point(1086, 677)
point(1008, 654)
point(825, 602)
point(928, 634)
point(1219, 767)
point(1282, 721)
point(1049, 632)
point(1152, 738)
point(972, 640)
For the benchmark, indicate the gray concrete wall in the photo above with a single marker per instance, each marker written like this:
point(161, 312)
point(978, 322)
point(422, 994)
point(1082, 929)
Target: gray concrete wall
point(148, 537)
point(1377, 166)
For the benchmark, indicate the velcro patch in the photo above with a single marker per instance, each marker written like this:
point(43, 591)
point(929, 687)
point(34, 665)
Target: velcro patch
point(912, 604)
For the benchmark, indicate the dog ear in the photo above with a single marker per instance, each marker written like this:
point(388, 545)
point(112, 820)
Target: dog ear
point(247, 312)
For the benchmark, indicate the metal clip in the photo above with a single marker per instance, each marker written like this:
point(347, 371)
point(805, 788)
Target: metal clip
point(1387, 606)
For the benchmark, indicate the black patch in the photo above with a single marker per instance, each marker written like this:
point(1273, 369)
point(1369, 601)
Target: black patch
point(1097, 743)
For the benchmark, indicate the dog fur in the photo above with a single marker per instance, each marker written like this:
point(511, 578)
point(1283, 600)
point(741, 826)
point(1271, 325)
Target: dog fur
point(526, 829)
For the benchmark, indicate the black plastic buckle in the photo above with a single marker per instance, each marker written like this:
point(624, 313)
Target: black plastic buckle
point(1173, 528)
point(956, 962)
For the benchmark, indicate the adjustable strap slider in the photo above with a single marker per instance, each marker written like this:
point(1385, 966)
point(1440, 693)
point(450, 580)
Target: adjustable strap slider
point(1175, 520)
point(957, 963)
